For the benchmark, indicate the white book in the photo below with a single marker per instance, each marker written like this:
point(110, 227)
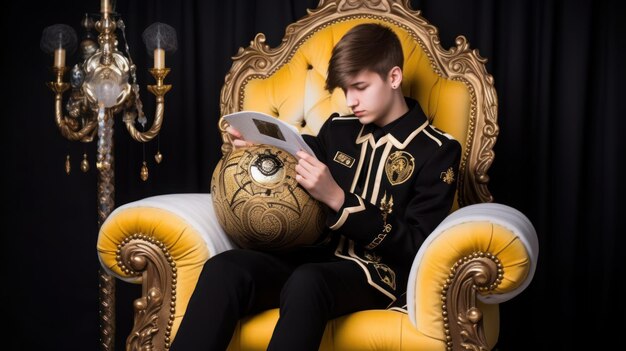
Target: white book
point(260, 128)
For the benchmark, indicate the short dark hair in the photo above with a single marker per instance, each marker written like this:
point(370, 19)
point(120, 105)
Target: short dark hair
point(370, 46)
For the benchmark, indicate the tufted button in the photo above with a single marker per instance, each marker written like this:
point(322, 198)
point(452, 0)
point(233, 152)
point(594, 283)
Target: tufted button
point(302, 123)
point(309, 67)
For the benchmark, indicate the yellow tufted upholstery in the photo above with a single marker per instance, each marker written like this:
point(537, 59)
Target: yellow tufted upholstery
point(481, 255)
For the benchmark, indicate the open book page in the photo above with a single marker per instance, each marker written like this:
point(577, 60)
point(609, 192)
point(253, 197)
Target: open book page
point(260, 128)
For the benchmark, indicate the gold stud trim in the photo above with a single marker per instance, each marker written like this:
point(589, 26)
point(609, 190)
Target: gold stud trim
point(480, 272)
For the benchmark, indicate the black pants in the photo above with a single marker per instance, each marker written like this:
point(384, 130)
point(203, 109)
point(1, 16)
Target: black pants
point(310, 290)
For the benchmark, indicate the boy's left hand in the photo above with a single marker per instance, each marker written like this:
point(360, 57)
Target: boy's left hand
point(315, 177)
point(236, 138)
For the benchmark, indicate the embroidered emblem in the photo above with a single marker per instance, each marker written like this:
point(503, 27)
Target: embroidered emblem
point(447, 176)
point(386, 274)
point(399, 167)
point(344, 159)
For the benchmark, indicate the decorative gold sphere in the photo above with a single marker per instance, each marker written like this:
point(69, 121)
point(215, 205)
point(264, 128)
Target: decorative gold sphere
point(260, 204)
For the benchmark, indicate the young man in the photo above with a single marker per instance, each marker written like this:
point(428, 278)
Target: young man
point(388, 179)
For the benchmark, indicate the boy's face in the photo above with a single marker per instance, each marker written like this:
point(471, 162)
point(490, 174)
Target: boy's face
point(370, 97)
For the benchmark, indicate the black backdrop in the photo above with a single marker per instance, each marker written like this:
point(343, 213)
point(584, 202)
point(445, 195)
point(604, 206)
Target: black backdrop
point(558, 68)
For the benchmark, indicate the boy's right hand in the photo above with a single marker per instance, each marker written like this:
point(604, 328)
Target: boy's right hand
point(236, 138)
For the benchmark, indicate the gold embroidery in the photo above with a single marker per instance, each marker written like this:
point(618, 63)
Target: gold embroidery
point(372, 257)
point(386, 207)
point(447, 176)
point(344, 159)
point(386, 274)
point(399, 167)
point(379, 238)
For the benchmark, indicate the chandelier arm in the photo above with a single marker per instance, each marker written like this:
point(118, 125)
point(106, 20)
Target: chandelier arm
point(153, 131)
point(65, 127)
point(159, 90)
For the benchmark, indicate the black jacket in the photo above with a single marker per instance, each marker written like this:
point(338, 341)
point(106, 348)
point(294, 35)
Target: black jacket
point(406, 188)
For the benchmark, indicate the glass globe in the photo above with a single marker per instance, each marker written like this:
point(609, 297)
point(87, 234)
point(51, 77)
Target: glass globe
point(107, 91)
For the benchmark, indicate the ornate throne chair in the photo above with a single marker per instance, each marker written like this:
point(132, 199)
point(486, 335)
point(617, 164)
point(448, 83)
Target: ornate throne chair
point(481, 255)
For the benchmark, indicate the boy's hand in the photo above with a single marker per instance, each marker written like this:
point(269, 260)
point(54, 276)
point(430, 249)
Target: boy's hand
point(236, 138)
point(315, 177)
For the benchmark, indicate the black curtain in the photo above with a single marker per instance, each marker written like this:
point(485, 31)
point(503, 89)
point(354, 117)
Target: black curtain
point(558, 68)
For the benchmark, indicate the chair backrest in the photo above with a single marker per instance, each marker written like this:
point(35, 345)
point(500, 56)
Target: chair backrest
point(452, 86)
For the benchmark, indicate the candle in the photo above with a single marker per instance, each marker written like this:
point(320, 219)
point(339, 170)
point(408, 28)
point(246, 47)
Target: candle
point(105, 6)
point(59, 57)
point(159, 58)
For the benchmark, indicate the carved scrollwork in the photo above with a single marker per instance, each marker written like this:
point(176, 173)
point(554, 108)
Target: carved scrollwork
point(466, 65)
point(146, 318)
point(142, 255)
point(474, 339)
point(377, 5)
point(478, 272)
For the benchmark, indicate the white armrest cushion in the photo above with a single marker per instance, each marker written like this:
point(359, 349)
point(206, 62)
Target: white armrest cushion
point(499, 214)
point(196, 209)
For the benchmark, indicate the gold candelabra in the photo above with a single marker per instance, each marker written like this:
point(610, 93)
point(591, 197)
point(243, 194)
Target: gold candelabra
point(102, 85)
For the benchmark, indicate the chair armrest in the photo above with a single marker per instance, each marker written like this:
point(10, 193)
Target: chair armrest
point(185, 223)
point(485, 251)
point(161, 242)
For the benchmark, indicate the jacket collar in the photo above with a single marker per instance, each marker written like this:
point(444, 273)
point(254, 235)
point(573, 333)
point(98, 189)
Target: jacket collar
point(399, 132)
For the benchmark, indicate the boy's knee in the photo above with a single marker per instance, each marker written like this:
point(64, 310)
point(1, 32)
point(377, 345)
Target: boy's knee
point(225, 268)
point(306, 280)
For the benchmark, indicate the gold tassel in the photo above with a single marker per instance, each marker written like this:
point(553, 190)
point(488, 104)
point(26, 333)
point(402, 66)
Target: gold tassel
point(84, 164)
point(144, 172)
point(158, 157)
point(68, 166)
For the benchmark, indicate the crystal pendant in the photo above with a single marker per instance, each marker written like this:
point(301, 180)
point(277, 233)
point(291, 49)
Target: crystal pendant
point(158, 157)
point(77, 77)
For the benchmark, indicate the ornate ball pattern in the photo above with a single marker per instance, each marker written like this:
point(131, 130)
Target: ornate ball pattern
point(260, 204)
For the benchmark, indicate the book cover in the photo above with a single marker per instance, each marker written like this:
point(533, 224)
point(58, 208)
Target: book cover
point(260, 128)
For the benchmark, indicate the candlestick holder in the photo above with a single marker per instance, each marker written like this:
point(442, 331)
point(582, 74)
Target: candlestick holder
point(104, 84)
